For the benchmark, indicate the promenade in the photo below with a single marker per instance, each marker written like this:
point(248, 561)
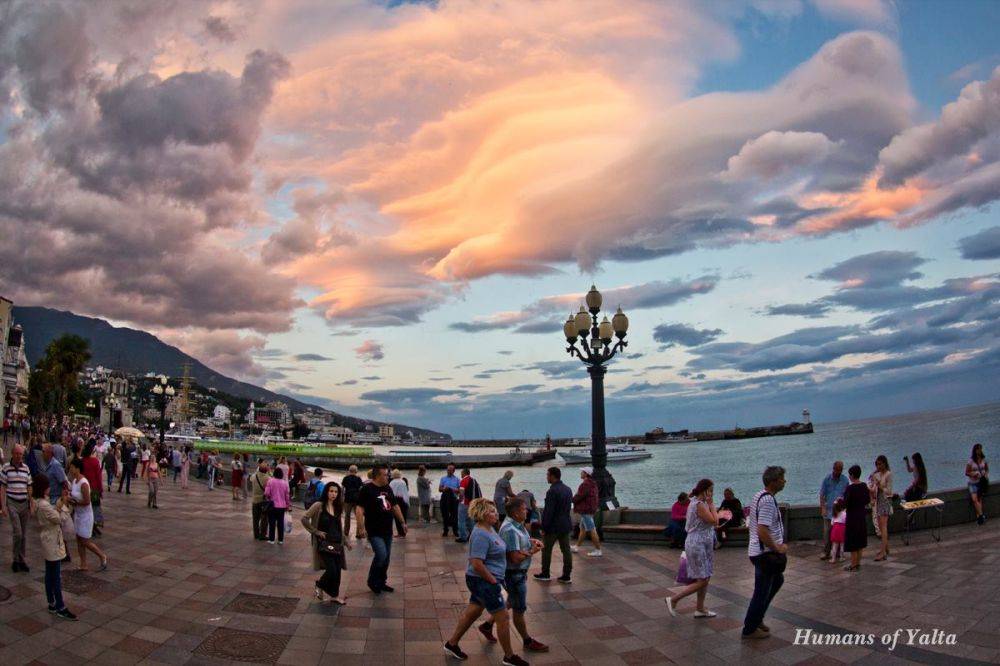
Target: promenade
point(188, 585)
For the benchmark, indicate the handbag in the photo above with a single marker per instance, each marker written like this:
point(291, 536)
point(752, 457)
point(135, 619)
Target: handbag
point(774, 562)
point(329, 548)
point(267, 504)
point(682, 571)
point(983, 485)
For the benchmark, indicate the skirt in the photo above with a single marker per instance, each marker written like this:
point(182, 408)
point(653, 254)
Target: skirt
point(700, 550)
point(83, 521)
point(837, 532)
point(237, 478)
point(883, 506)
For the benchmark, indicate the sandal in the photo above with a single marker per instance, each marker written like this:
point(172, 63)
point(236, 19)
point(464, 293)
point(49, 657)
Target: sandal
point(852, 568)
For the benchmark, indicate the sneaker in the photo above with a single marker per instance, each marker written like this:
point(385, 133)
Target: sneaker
point(980, 520)
point(544, 577)
point(53, 610)
point(319, 593)
point(514, 660)
point(376, 590)
point(386, 588)
point(757, 633)
point(461, 540)
point(574, 549)
point(705, 613)
point(486, 629)
point(670, 606)
point(455, 651)
point(565, 580)
point(65, 614)
point(595, 553)
point(764, 627)
point(534, 646)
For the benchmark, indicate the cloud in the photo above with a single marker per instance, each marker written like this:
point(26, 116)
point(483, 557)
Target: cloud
point(524, 388)
point(814, 310)
point(312, 357)
point(556, 369)
point(775, 154)
point(682, 334)
point(371, 378)
point(369, 350)
point(984, 245)
point(877, 269)
point(410, 397)
point(226, 352)
point(348, 382)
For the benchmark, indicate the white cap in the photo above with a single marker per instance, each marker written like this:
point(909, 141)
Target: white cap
point(589, 471)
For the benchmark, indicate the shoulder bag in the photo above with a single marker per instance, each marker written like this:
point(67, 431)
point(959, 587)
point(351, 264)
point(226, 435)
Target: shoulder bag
point(983, 485)
point(267, 504)
point(774, 562)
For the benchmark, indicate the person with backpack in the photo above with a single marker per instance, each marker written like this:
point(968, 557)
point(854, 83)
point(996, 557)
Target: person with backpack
point(259, 504)
point(468, 491)
point(314, 490)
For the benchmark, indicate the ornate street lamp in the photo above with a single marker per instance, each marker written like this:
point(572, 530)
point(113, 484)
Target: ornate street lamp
point(595, 354)
point(163, 392)
point(113, 404)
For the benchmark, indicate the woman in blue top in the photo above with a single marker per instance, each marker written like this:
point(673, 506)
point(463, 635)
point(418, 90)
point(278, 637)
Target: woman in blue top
point(487, 567)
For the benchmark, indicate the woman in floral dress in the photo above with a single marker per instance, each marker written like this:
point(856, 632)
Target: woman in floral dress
point(699, 547)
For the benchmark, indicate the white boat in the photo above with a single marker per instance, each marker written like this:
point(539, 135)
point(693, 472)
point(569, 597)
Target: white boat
point(617, 453)
point(675, 439)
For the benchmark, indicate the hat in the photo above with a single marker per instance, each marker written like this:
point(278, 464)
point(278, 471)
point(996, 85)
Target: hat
point(589, 471)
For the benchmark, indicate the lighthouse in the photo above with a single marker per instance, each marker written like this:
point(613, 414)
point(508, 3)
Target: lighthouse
point(806, 418)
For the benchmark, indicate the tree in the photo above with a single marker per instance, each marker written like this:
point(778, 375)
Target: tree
point(54, 382)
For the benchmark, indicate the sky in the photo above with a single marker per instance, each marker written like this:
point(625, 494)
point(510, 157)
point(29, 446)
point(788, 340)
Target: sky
point(390, 208)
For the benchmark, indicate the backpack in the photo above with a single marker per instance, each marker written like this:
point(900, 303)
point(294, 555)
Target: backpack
point(312, 492)
point(472, 491)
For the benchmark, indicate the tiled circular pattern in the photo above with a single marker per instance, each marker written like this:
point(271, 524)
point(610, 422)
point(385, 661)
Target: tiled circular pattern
point(79, 582)
point(247, 646)
point(5, 594)
point(263, 605)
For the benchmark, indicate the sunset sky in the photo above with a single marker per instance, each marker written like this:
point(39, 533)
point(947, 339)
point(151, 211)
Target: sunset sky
point(390, 208)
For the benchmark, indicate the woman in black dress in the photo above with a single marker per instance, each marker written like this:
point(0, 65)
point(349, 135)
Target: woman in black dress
point(325, 521)
point(856, 500)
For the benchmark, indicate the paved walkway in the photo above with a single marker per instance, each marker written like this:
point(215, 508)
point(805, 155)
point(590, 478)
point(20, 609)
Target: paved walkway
point(188, 585)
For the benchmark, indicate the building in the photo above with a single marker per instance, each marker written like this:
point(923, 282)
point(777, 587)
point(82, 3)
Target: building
point(14, 377)
point(116, 405)
point(221, 414)
point(386, 432)
point(267, 417)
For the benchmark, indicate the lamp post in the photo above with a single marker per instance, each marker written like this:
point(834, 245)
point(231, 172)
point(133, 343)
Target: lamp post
point(90, 407)
point(112, 404)
point(163, 392)
point(595, 354)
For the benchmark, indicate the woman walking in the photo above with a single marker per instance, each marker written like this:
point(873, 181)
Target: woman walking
point(152, 474)
point(857, 497)
point(978, 472)
point(236, 475)
point(276, 491)
point(83, 515)
point(110, 464)
point(185, 467)
point(424, 495)
point(50, 519)
point(487, 567)
point(401, 489)
point(699, 548)
point(918, 487)
point(325, 521)
point(880, 483)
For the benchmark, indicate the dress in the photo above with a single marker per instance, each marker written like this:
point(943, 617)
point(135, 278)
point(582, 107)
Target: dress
point(83, 514)
point(883, 499)
point(236, 480)
point(699, 545)
point(856, 500)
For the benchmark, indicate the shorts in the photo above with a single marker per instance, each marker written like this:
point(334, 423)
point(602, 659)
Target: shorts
point(484, 594)
point(516, 582)
point(587, 522)
point(974, 489)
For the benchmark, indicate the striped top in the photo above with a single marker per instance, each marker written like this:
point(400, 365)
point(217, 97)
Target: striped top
point(16, 481)
point(764, 511)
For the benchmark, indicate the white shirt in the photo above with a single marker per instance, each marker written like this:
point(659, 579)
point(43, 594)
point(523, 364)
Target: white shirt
point(400, 490)
point(769, 517)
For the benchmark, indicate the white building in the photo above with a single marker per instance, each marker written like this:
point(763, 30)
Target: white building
point(14, 377)
point(386, 432)
point(221, 414)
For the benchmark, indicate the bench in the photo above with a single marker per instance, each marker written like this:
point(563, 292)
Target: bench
point(912, 509)
point(651, 533)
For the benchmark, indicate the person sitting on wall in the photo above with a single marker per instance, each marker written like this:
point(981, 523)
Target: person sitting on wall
point(678, 519)
point(735, 508)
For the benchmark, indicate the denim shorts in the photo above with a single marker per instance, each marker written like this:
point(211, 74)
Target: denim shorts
point(516, 583)
point(484, 594)
point(587, 522)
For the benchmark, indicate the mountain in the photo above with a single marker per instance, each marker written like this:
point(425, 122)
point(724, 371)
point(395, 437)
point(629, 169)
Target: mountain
point(139, 352)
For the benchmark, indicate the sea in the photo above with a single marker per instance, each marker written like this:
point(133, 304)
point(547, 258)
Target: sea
point(943, 438)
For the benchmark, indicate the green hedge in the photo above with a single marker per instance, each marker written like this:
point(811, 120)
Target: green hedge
point(312, 451)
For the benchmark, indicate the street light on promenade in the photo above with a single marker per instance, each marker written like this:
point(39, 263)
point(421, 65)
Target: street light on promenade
point(112, 404)
point(163, 392)
point(595, 354)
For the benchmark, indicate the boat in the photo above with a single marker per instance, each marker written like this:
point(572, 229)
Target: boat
point(617, 453)
point(659, 436)
point(575, 443)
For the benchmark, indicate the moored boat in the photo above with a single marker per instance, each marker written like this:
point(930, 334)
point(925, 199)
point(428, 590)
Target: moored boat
point(618, 453)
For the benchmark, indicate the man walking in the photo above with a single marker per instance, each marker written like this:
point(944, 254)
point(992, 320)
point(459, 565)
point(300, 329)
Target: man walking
point(520, 548)
point(376, 510)
point(176, 457)
point(468, 491)
point(833, 486)
point(17, 504)
point(258, 514)
point(556, 526)
point(503, 492)
point(129, 457)
point(767, 551)
point(352, 485)
point(448, 487)
point(585, 503)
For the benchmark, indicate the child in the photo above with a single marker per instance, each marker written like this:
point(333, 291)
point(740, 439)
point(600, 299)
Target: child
point(837, 529)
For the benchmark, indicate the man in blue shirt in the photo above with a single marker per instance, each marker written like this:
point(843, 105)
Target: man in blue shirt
point(448, 487)
point(833, 486)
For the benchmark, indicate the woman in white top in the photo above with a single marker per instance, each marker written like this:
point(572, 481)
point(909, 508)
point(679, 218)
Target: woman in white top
point(880, 486)
point(83, 515)
point(401, 489)
point(976, 470)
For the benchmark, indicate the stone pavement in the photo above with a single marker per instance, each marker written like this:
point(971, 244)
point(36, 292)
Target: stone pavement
point(189, 585)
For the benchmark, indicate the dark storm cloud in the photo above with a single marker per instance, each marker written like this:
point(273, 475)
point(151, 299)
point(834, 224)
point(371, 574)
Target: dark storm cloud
point(682, 334)
point(984, 245)
point(219, 28)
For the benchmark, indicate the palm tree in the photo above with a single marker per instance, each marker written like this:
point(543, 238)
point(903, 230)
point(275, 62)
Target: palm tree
point(55, 379)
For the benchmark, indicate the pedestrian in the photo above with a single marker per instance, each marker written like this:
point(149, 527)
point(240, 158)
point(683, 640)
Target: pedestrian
point(832, 487)
point(352, 484)
point(767, 551)
point(556, 526)
point(468, 491)
point(236, 475)
point(17, 503)
point(532, 504)
point(402, 491)
point(53, 545)
point(449, 487)
point(977, 470)
point(857, 499)
point(699, 548)
point(483, 576)
point(502, 492)
point(880, 484)
point(426, 504)
point(678, 517)
point(59, 453)
point(838, 529)
point(152, 475)
point(377, 506)
point(92, 470)
point(258, 503)
point(176, 459)
point(203, 465)
point(55, 473)
point(314, 491)
point(520, 548)
point(144, 457)
point(210, 467)
point(129, 458)
point(324, 520)
point(732, 507)
point(110, 464)
point(83, 516)
point(298, 473)
point(918, 486)
point(277, 493)
point(185, 467)
point(585, 503)
point(282, 464)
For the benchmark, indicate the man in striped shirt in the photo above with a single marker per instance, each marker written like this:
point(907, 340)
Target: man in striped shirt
point(767, 544)
point(16, 502)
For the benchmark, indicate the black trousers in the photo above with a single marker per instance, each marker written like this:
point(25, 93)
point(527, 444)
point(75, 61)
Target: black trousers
point(329, 582)
point(276, 519)
point(259, 518)
point(404, 508)
point(126, 479)
point(449, 512)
